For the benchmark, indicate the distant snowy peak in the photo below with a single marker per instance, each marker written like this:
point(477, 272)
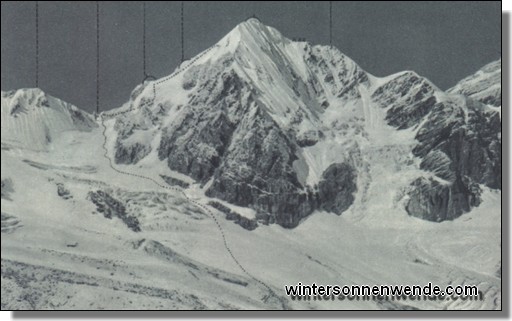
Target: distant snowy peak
point(484, 85)
point(31, 118)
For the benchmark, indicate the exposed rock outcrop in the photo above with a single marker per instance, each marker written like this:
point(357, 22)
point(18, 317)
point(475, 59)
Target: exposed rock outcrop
point(196, 144)
point(483, 86)
point(111, 207)
point(435, 201)
point(174, 181)
point(459, 141)
point(337, 187)
point(63, 192)
point(130, 154)
point(257, 171)
point(462, 147)
point(231, 215)
point(409, 98)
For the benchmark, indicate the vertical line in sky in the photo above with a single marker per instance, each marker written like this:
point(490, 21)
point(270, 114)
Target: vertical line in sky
point(182, 37)
point(97, 57)
point(37, 44)
point(330, 23)
point(144, 39)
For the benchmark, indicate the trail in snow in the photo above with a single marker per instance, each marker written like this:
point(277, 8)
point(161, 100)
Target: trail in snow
point(207, 210)
point(179, 190)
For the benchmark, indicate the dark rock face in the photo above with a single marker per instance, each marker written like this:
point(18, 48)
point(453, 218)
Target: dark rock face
point(463, 149)
point(473, 146)
point(127, 152)
point(348, 74)
point(270, 186)
point(79, 118)
point(111, 207)
point(409, 97)
point(337, 187)
point(257, 171)
point(244, 222)
point(174, 181)
point(180, 146)
point(433, 201)
point(197, 144)
point(459, 142)
point(130, 154)
point(309, 138)
point(492, 100)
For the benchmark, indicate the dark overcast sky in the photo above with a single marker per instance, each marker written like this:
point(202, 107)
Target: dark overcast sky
point(444, 41)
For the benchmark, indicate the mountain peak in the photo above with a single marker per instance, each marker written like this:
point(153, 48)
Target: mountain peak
point(252, 32)
point(252, 21)
point(250, 27)
point(27, 97)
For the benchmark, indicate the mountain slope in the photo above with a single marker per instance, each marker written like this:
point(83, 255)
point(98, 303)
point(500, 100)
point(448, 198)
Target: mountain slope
point(484, 85)
point(260, 121)
point(32, 119)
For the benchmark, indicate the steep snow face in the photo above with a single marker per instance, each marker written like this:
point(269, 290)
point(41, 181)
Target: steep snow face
point(32, 119)
point(484, 85)
point(263, 122)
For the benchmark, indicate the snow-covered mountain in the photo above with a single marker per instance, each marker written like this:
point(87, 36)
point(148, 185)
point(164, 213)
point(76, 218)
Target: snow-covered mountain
point(484, 85)
point(32, 119)
point(286, 128)
point(160, 204)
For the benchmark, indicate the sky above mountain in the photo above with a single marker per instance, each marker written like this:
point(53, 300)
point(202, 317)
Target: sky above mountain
point(444, 41)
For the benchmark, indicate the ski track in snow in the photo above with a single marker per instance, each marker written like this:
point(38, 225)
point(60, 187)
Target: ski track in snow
point(179, 190)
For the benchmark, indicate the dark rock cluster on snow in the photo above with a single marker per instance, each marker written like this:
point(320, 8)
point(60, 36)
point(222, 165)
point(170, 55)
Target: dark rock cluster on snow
point(231, 215)
point(111, 207)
